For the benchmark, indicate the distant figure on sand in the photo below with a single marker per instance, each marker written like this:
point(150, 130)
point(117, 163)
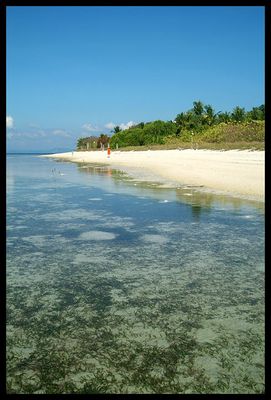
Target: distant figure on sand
point(108, 151)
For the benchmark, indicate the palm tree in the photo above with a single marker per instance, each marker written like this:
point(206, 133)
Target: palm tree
point(210, 114)
point(257, 113)
point(224, 117)
point(116, 129)
point(181, 120)
point(262, 109)
point(238, 114)
point(198, 107)
point(81, 142)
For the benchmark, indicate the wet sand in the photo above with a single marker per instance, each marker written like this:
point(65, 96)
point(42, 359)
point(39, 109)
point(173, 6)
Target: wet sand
point(234, 172)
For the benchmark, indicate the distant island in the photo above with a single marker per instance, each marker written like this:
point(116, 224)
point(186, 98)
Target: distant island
point(199, 127)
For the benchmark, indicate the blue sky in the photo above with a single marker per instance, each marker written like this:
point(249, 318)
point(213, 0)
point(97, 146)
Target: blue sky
point(77, 71)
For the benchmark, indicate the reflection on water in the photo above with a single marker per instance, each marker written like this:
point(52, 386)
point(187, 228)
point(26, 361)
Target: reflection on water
point(200, 201)
point(118, 286)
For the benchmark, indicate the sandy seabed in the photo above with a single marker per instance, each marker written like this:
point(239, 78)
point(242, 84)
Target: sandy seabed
point(232, 172)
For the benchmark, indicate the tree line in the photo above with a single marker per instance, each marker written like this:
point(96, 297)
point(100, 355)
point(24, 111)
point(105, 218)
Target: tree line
point(196, 121)
point(202, 116)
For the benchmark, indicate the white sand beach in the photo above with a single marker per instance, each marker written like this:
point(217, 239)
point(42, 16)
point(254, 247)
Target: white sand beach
point(234, 172)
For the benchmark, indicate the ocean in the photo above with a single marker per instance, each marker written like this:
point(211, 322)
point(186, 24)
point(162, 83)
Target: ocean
point(120, 286)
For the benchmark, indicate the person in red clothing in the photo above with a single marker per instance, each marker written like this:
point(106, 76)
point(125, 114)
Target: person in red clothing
point(108, 151)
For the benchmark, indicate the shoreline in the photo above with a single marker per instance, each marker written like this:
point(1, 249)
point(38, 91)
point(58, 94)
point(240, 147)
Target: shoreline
point(233, 172)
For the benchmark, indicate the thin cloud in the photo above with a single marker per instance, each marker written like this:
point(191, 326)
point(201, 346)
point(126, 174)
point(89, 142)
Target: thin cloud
point(30, 135)
point(9, 121)
point(127, 126)
point(123, 126)
point(38, 133)
point(35, 126)
point(110, 125)
point(90, 128)
point(61, 132)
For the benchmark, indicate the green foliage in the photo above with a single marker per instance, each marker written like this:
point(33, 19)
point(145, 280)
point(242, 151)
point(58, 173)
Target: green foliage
point(196, 119)
point(144, 134)
point(201, 117)
point(223, 117)
point(232, 132)
point(210, 115)
point(87, 143)
point(198, 107)
point(257, 113)
point(92, 142)
point(140, 125)
point(116, 129)
point(238, 114)
point(103, 140)
point(80, 143)
point(200, 124)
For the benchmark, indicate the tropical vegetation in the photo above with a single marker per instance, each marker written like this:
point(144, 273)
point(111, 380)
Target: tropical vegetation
point(201, 124)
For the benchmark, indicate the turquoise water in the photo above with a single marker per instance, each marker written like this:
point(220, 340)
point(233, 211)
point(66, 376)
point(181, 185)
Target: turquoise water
point(118, 286)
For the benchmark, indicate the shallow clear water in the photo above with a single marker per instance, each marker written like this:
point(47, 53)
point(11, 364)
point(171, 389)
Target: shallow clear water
point(117, 286)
